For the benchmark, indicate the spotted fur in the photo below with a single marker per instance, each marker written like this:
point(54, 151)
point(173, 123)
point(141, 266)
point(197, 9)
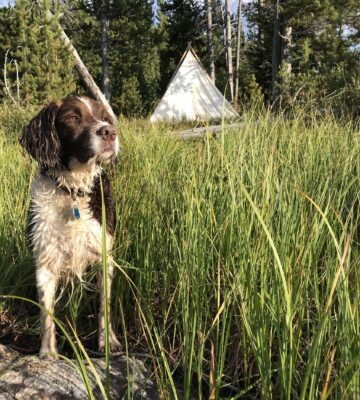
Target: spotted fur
point(71, 140)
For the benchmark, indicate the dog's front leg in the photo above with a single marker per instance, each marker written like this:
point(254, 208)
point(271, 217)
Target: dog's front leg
point(114, 344)
point(46, 286)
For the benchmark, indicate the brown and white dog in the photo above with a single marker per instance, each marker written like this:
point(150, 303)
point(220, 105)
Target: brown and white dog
point(70, 139)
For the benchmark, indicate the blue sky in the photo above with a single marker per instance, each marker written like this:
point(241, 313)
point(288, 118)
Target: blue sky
point(6, 2)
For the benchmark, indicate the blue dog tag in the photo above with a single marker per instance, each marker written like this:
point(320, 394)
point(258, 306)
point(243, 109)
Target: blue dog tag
point(76, 213)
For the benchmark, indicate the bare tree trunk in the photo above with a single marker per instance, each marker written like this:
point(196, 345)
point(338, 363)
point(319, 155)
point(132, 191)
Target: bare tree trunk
point(238, 49)
point(276, 52)
point(104, 22)
point(7, 86)
point(229, 50)
point(83, 71)
point(281, 50)
point(260, 10)
point(210, 40)
point(285, 47)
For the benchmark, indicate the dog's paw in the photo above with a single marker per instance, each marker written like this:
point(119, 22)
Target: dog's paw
point(49, 356)
point(114, 344)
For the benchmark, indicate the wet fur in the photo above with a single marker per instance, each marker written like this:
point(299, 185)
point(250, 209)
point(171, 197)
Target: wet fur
point(70, 152)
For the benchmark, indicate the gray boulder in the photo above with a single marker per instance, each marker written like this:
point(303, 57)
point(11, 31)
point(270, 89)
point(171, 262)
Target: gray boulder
point(28, 377)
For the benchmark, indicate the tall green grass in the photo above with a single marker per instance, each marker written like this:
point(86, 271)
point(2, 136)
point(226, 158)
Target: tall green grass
point(238, 258)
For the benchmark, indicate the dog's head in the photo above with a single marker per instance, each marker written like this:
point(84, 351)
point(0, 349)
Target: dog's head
point(76, 129)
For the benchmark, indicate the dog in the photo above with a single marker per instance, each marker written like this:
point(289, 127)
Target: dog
point(71, 140)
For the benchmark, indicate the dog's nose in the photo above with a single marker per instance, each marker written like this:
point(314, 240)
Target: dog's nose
point(107, 133)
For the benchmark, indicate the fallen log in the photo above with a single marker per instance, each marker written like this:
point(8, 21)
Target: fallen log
point(202, 132)
point(28, 377)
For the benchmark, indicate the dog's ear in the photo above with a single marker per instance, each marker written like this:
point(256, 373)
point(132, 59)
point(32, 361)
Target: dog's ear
point(40, 138)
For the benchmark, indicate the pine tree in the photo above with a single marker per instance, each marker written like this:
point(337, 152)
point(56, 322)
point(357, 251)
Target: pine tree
point(310, 39)
point(258, 49)
point(134, 57)
point(185, 23)
point(45, 66)
point(14, 22)
point(100, 11)
point(85, 34)
point(320, 50)
point(219, 46)
point(134, 43)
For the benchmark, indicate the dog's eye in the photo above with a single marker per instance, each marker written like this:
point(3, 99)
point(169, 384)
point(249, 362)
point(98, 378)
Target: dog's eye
point(74, 118)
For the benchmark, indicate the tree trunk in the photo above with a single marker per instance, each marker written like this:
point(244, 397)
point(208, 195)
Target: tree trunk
point(238, 49)
point(214, 131)
point(229, 50)
point(104, 22)
point(210, 40)
point(276, 52)
point(83, 71)
point(281, 51)
point(260, 35)
point(285, 47)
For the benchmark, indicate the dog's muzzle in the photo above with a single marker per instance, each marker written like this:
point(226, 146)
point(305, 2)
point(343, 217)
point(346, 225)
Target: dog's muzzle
point(107, 133)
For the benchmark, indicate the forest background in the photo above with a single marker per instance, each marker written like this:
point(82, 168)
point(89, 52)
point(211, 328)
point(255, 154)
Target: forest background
point(281, 53)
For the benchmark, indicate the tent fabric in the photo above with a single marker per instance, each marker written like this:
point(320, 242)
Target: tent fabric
point(192, 95)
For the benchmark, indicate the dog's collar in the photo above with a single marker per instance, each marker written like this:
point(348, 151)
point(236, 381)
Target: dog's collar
point(74, 194)
point(71, 191)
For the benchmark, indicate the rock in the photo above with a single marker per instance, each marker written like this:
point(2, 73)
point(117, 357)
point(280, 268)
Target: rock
point(30, 378)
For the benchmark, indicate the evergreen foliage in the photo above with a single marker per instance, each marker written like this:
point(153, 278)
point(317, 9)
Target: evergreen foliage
point(146, 39)
point(185, 23)
point(258, 46)
point(324, 39)
point(219, 46)
point(134, 60)
point(45, 68)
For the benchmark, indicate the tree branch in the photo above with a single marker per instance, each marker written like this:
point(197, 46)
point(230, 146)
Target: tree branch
point(82, 70)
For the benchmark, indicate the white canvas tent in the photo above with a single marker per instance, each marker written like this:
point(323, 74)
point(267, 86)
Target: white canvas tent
point(191, 94)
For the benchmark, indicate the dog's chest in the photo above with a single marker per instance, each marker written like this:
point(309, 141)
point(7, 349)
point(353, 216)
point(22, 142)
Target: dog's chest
point(61, 242)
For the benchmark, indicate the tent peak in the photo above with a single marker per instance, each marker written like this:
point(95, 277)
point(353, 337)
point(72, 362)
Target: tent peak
point(191, 94)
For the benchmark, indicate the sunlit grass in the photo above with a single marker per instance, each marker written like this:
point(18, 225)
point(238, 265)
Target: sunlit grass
point(238, 259)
